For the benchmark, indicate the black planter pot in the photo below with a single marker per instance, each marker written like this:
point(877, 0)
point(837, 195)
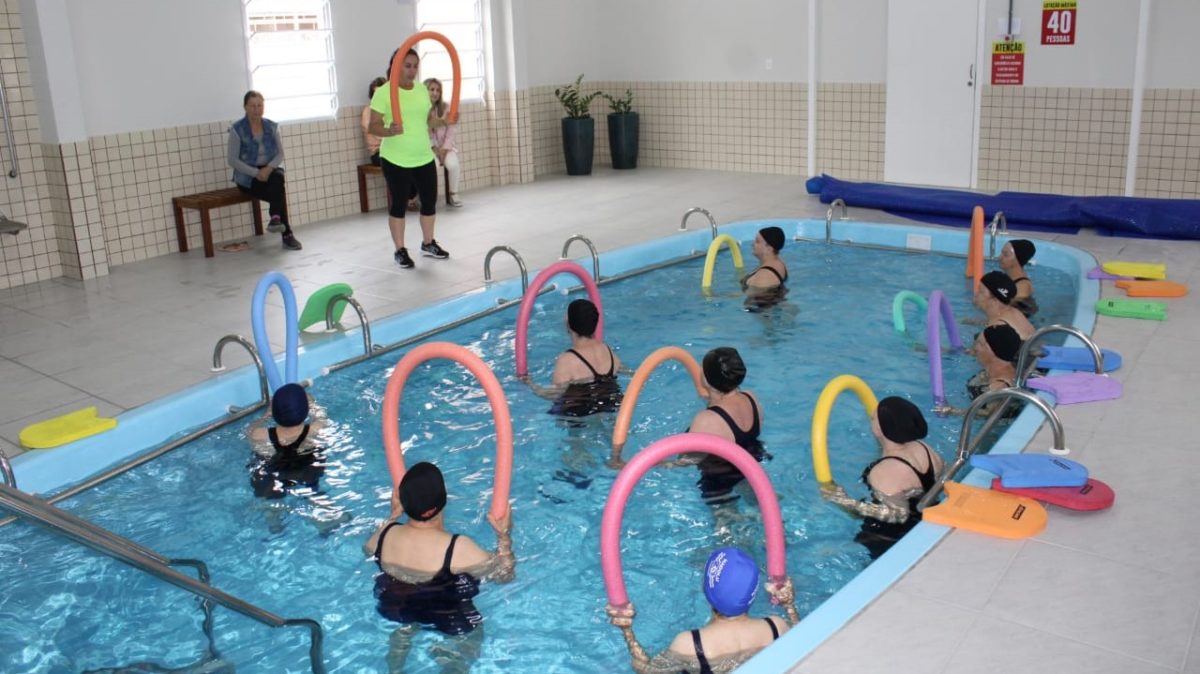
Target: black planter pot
point(579, 140)
point(623, 139)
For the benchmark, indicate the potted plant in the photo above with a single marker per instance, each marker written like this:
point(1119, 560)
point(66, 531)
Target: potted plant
point(578, 128)
point(623, 131)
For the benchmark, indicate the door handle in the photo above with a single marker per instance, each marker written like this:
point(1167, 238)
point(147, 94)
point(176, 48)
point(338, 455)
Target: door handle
point(971, 75)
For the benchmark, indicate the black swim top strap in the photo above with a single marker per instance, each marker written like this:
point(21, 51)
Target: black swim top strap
point(274, 437)
point(1023, 278)
point(774, 630)
point(928, 477)
point(704, 668)
point(782, 278)
point(379, 543)
point(754, 429)
point(449, 553)
point(585, 362)
point(612, 362)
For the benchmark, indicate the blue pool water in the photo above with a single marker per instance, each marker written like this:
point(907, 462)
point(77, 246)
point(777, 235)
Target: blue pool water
point(63, 609)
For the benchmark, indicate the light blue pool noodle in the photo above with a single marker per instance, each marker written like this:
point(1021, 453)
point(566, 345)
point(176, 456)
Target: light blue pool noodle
point(898, 307)
point(292, 360)
point(939, 307)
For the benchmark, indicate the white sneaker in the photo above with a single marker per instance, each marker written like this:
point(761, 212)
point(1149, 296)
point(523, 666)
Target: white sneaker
point(454, 201)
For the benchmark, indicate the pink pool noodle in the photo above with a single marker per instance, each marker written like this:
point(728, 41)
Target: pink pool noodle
point(614, 508)
point(491, 386)
point(939, 307)
point(560, 267)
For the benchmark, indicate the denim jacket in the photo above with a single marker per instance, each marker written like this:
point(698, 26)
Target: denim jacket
point(248, 152)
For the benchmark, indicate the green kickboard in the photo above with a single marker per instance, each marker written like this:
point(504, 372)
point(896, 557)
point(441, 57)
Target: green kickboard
point(1153, 311)
point(314, 308)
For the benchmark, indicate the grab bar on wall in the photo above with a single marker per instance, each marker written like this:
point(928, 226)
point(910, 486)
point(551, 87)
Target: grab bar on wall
point(8, 132)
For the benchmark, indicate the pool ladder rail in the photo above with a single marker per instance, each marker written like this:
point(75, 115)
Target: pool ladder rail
point(487, 267)
point(264, 388)
point(712, 223)
point(1025, 364)
point(330, 324)
point(591, 249)
point(998, 227)
point(62, 523)
point(829, 218)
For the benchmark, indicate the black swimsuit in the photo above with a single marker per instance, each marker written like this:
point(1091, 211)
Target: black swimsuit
point(442, 602)
point(718, 477)
point(287, 469)
point(877, 536)
point(601, 394)
point(1027, 306)
point(705, 668)
point(980, 383)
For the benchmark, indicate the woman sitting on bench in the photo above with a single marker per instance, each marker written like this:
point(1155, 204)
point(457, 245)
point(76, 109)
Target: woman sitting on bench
point(256, 157)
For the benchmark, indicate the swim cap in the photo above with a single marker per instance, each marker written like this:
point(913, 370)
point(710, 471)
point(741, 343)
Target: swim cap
point(289, 406)
point(1004, 341)
point(582, 317)
point(422, 492)
point(724, 369)
point(900, 420)
point(773, 236)
point(1000, 285)
point(1023, 250)
point(730, 581)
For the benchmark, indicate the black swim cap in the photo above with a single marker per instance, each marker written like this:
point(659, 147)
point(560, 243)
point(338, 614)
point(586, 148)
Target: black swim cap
point(1023, 250)
point(900, 420)
point(724, 369)
point(1004, 341)
point(1000, 285)
point(773, 236)
point(422, 492)
point(289, 406)
point(582, 317)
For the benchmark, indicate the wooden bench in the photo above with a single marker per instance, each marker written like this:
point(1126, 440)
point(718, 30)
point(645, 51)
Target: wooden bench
point(205, 202)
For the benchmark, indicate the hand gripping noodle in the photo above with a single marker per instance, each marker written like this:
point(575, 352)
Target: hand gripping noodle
point(939, 306)
point(820, 423)
point(779, 585)
point(560, 267)
point(491, 386)
point(710, 259)
point(274, 278)
point(398, 63)
point(625, 415)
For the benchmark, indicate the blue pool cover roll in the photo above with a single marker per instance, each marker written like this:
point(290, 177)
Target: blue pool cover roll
point(1158, 218)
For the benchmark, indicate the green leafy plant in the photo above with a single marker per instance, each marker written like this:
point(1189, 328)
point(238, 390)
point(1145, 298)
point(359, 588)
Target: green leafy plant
point(621, 105)
point(574, 100)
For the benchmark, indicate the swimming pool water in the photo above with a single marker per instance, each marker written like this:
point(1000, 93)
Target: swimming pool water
point(63, 609)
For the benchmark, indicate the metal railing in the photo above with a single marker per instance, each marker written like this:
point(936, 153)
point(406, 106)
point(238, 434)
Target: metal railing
point(966, 448)
point(217, 366)
point(6, 471)
point(712, 223)
point(60, 522)
point(487, 266)
point(1023, 356)
point(829, 218)
point(591, 249)
point(8, 132)
point(358, 309)
point(999, 226)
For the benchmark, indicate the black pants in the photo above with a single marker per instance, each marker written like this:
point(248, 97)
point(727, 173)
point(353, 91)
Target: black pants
point(274, 193)
point(401, 180)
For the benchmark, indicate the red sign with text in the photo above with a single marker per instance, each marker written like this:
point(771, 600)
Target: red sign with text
point(1008, 63)
point(1058, 21)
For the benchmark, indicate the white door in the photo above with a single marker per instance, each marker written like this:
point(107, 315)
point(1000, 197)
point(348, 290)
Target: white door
point(931, 80)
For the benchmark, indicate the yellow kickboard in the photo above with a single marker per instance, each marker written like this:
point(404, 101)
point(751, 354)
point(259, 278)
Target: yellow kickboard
point(987, 512)
point(1136, 269)
point(64, 429)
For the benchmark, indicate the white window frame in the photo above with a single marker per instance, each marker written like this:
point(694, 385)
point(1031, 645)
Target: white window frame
point(479, 54)
point(280, 106)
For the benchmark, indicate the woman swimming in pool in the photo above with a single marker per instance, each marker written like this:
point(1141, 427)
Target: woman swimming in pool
point(585, 376)
point(994, 298)
point(1013, 257)
point(766, 285)
point(428, 577)
point(731, 636)
point(897, 480)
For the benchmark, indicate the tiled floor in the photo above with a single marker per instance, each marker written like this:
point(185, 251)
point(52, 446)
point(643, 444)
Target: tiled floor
point(1116, 591)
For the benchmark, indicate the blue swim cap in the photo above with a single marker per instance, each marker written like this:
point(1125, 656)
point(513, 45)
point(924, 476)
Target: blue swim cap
point(730, 581)
point(289, 405)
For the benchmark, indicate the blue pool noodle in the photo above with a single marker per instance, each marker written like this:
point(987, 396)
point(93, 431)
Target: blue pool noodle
point(292, 360)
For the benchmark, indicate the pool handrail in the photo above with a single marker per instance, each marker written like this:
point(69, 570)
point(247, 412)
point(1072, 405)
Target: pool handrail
point(712, 223)
point(829, 217)
point(1027, 347)
point(62, 523)
point(6, 471)
point(591, 249)
point(358, 309)
point(487, 265)
point(966, 448)
point(998, 226)
point(218, 365)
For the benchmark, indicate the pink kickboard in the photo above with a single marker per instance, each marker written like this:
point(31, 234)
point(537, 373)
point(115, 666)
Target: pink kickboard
point(1095, 495)
point(1078, 387)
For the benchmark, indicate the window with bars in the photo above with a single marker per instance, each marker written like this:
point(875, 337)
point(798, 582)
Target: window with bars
point(289, 45)
point(461, 21)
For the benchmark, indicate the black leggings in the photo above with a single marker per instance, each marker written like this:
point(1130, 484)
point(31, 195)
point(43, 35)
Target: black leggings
point(274, 193)
point(402, 180)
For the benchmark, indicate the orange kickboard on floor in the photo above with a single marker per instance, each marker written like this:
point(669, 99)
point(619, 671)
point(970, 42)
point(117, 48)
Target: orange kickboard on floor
point(1152, 288)
point(987, 512)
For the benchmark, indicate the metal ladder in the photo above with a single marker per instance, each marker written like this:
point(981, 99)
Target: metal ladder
point(712, 223)
point(60, 522)
point(591, 249)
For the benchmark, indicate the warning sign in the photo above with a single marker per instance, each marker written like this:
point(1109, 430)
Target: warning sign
point(1058, 21)
point(1008, 63)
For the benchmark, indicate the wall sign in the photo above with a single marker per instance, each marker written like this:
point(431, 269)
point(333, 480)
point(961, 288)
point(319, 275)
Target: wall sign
point(1008, 63)
point(1058, 21)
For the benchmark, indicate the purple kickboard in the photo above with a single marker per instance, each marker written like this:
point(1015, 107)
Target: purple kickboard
point(1078, 387)
point(1098, 273)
